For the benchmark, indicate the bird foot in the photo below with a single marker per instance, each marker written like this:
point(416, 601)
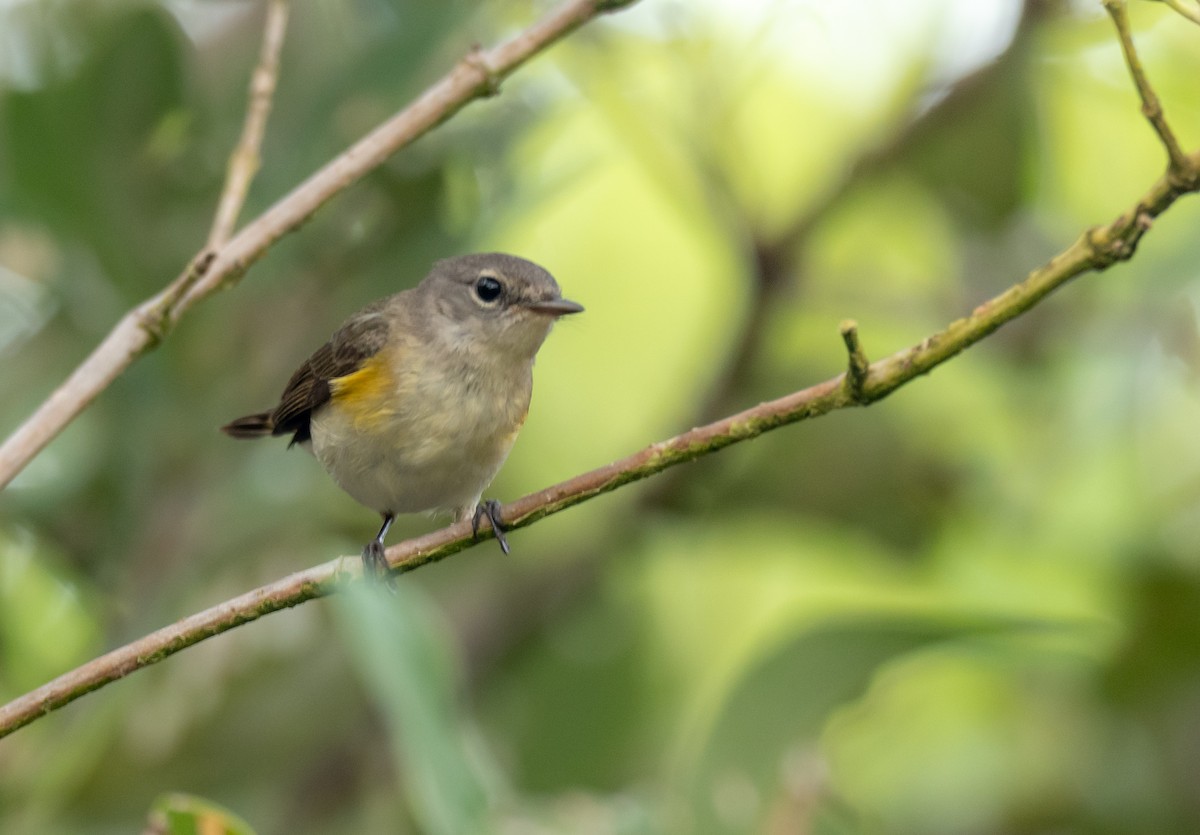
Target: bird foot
point(375, 565)
point(491, 509)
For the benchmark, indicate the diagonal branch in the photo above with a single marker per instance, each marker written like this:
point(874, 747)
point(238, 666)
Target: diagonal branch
point(1094, 250)
point(476, 76)
point(245, 160)
point(1151, 107)
point(1186, 8)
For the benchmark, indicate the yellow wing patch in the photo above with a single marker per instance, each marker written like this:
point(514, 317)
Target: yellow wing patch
point(367, 394)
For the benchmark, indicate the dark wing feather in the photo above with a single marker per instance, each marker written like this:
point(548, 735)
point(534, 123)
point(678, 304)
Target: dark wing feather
point(355, 342)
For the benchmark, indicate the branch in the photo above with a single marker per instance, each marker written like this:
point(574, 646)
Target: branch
point(1096, 249)
point(1185, 8)
point(475, 76)
point(1151, 107)
point(245, 160)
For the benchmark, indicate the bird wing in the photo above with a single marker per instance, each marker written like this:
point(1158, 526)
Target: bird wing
point(359, 339)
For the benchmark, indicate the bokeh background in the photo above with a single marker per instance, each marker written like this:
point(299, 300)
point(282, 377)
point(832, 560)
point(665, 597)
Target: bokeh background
point(971, 608)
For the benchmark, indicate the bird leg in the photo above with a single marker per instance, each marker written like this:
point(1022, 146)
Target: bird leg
point(375, 565)
point(491, 509)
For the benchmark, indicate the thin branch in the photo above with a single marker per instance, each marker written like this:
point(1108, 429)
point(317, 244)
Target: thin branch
point(1097, 249)
point(476, 76)
point(245, 160)
point(1151, 107)
point(859, 366)
point(1185, 8)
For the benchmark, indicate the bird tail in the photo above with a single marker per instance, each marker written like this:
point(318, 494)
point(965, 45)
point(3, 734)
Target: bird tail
point(250, 426)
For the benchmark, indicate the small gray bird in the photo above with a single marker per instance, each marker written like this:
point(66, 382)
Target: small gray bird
point(414, 403)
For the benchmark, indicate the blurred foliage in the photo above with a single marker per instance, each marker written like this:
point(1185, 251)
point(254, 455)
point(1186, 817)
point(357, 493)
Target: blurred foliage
point(181, 814)
point(969, 609)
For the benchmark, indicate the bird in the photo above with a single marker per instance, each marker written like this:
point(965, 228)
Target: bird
point(414, 403)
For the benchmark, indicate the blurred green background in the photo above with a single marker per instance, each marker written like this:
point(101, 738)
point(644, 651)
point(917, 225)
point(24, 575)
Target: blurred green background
point(971, 608)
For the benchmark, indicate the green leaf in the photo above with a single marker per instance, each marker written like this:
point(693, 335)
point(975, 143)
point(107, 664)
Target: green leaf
point(396, 643)
point(185, 814)
point(45, 625)
point(761, 752)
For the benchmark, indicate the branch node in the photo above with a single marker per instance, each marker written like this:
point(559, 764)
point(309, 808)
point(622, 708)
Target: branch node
point(153, 321)
point(1097, 247)
point(1119, 240)
point(476, 60)
point(200, 265)
point(197, 268)
point(155, 316)
point(859, 366)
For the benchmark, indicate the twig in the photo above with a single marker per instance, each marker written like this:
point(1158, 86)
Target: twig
point(1096, 249)
point(859, 366)
point(245, 160)
point(1188, 10)
point(143, 327)
point(1151, 107)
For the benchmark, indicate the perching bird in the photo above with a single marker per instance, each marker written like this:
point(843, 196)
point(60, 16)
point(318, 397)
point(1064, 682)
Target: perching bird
point(414, 403)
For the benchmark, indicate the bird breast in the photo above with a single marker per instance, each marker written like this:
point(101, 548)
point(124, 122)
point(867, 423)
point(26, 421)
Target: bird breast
point(403, 436)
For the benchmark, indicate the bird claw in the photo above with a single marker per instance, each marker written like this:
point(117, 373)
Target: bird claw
point(491, 509)
point(375, 565)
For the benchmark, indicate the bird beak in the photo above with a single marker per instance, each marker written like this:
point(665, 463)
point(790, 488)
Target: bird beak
point(555, 307)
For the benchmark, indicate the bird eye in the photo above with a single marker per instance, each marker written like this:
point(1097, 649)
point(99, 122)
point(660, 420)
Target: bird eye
point(488, 288)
